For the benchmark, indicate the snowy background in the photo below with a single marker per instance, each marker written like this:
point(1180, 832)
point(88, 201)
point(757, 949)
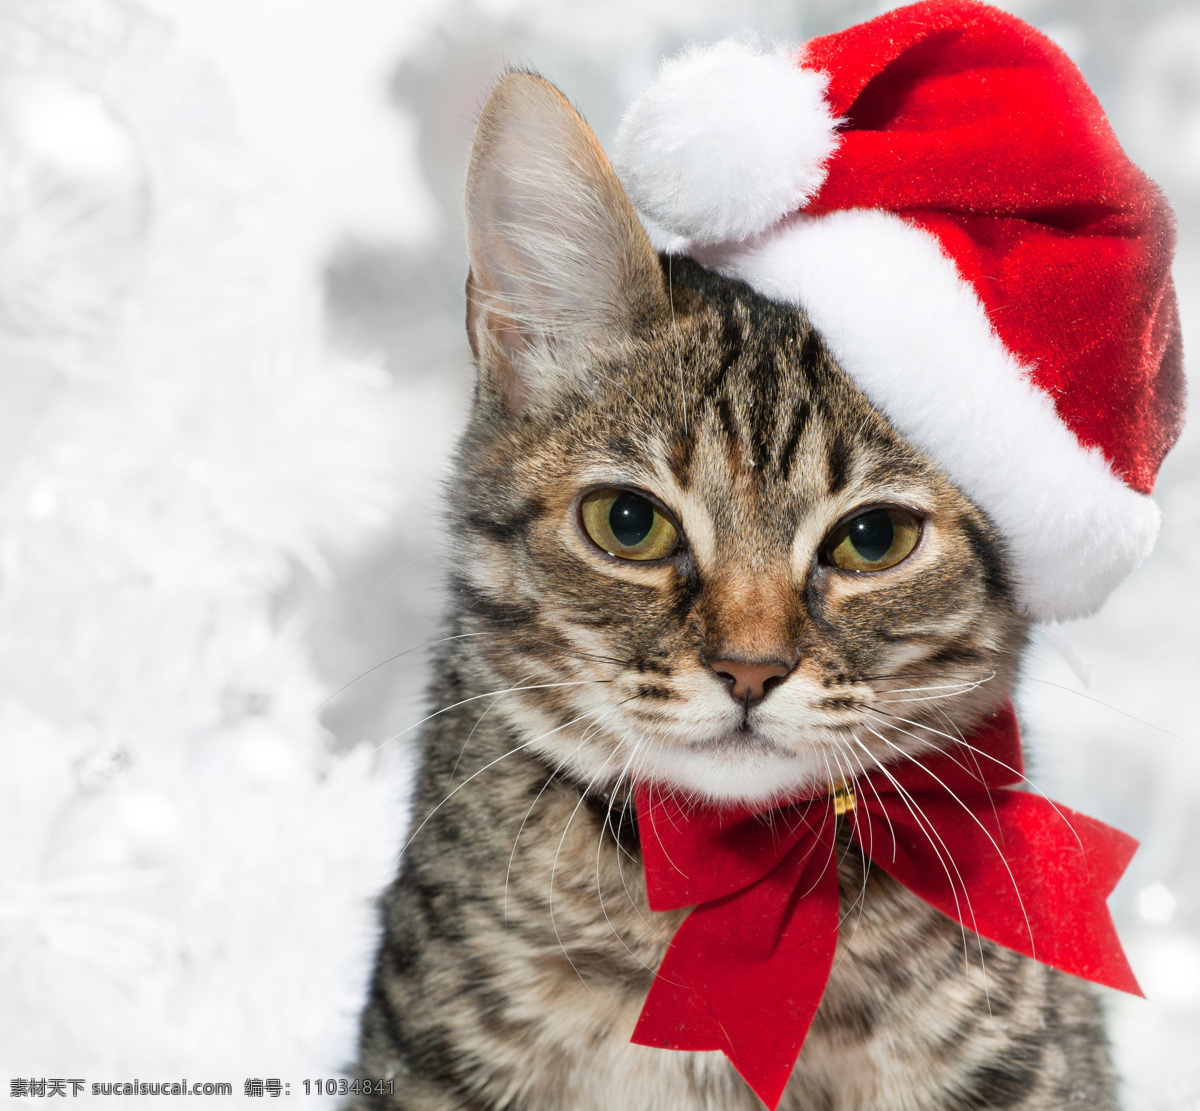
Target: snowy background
point(231, 368)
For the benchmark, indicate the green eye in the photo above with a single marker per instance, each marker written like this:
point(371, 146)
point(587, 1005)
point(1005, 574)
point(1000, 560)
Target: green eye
point(873, 540)
point(628, 525)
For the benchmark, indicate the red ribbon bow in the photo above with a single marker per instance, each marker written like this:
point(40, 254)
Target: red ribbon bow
point(746, 971)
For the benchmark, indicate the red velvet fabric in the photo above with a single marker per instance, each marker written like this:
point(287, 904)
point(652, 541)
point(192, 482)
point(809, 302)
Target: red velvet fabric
point(746, 970)
point(974, 126)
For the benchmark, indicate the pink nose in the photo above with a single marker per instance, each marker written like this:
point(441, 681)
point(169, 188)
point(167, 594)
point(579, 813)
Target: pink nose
point(749, 682)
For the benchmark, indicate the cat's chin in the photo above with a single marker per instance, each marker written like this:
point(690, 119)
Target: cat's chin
point(739, 767)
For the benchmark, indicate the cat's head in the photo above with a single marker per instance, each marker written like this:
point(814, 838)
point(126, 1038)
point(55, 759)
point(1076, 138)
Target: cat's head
point(687, 547)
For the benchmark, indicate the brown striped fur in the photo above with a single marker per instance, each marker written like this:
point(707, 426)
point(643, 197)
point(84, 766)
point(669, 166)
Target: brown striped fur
point(518, 946)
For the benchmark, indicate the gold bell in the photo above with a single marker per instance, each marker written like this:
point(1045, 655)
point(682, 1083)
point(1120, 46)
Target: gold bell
point(843, 798)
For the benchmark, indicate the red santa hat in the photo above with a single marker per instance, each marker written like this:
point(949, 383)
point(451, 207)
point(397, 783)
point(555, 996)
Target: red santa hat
point(941, 192)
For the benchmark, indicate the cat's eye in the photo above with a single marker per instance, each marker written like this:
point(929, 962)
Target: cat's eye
point(874, 540)
point(627, 525)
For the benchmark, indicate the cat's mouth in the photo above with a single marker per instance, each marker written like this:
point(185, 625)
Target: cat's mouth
point(744, 738)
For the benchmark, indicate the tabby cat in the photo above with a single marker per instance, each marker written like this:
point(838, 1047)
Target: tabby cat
point(686, 549)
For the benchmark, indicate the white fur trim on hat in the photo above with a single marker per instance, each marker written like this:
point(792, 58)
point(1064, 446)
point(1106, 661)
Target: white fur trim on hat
point(915, 337)
point(726, 141)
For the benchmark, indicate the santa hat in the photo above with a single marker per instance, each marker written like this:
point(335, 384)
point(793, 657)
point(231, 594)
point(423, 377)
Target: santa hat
point(941, 192)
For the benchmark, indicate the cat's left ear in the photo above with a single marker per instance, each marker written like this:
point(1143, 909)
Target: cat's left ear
point(561, 269)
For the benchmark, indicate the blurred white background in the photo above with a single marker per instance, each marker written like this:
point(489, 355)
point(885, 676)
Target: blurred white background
point(232, 367)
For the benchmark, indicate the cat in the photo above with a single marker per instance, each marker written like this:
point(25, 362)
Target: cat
point(686, 548)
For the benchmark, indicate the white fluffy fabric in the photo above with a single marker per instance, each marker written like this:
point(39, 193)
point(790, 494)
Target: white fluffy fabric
point(726, 141)
point(186, 862)
point(914, 336)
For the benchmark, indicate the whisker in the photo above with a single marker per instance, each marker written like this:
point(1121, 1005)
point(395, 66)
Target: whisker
point(986, 832)
point(578, 653)
point(521, 828)
point(486, 694)
point(554, 868)
point(884, 696)
point(975, 751)
point(649, 816)
point(354, 764)
point(842, 778)
point(918, 672)
point(832, 851)
point(851, 754)
point(859, 900)
point(487, 710)
point(968, 684)
point(629, 765)
point(480, 771)
point(1109, 706)
point(633, 903)
point(926, 827)
point(392, 659)
point(604, 828)
point(971, 753)
point(404, 567)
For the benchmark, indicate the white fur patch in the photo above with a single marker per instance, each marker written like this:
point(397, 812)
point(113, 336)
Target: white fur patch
point(915, 337)
point(726, 141)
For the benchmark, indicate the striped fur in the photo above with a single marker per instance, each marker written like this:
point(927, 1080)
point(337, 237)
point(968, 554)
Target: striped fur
point(518, 946)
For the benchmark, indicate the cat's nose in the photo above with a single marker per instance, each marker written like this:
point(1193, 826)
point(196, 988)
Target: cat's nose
point(749, 683)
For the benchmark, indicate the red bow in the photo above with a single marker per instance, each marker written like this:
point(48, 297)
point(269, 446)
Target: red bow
point(746, 970)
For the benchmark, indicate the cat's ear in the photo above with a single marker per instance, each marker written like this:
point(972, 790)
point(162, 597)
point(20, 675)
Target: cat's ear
point(560, 267)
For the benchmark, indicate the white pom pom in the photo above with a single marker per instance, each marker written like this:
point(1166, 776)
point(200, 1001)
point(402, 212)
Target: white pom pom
point(726, 141)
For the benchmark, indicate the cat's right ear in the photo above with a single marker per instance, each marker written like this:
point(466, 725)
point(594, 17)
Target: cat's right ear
point(561, 269)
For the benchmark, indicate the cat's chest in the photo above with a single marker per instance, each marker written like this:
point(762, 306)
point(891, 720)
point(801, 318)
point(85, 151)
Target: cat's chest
point(583, 945)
